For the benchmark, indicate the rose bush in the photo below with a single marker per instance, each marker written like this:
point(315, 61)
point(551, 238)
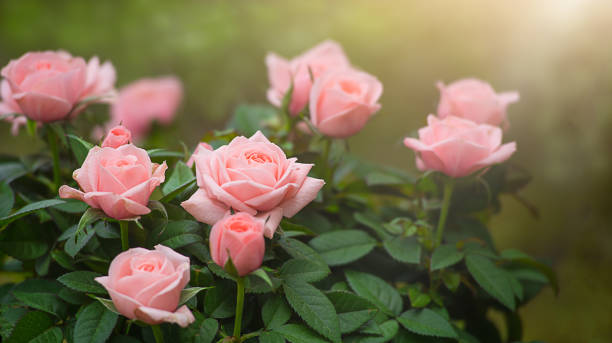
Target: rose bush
point(253, 245)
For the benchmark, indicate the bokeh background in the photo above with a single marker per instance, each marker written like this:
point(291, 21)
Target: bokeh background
point(556, 53)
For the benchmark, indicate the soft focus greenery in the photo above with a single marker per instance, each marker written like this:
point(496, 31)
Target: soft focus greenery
point(556, 53)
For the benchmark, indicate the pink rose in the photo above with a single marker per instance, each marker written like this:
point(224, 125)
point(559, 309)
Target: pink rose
point(147, 284)
point(117, 137)
point(100, 81)
point(325, 56)
point(475, 100)
point(201, 146)
point(341, 102)
point(458, 147)
point(10, 109)
point(147, 100)
point(118, 181)
point(241, 237)
point(46, 85)
point(250, 175)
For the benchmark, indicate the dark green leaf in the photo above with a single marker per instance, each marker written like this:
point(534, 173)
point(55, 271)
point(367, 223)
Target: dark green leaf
point(181, 240)
point(275, 312)
point(29, 208)
point(10, 171)
point(373, 223)
point(418, 298)
point(80, 148)
point(300, 250)
point(248, 119)
point(63, 259)
point(353, 310)
point(220, 301)
point(163, 153)
point(94, 324)
point(75, 243)
point(82, 281)
point(491, 278)
point(29, 326)
point(314, 308)
point(404, 249)
point(445, 256)
point(296, 333)
point(342, 247)
point(304, 270)
point(375, 290)
point(52, 335)
point(207, 331)
point(180, 179)
point(46, 302)
point(108, 304)
point(90, 216)
point(271, 337)
point(427, 322)
point(7, 199)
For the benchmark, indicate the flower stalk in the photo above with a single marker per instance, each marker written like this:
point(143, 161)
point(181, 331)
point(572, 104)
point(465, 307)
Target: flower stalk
point(158, 334)
point(239, 309)
point(53, 147)
point(449, 184)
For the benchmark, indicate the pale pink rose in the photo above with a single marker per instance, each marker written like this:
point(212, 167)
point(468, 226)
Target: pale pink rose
point(9, 109)
point(100, 81)
point(241, 237)
point(475, 100)
point(117, 136)
point(46, 85)
point(201, 146)
point(458, 147)
point(342, 101)
point(117, 181)
point(141, 103)
point(147, 284)
point(250, 175)
point(321, 58)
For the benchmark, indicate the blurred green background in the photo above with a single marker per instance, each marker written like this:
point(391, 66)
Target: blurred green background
point(556, 53)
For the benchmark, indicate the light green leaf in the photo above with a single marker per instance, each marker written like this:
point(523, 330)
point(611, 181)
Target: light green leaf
point(181, 178)
point(375, 290)
point(418, 298)
point(248, 119)
point(314, 308)
point(404, 249)
point(260, 273)
point(163, 153)
point(342, 247)
point(189, 293)
point(275, 312)
point(296, 333)
point(29, 208)
point(427, 322)
point(89, 217)
point(108, 304)
point(82, 281)
point(491, 278)
point(94, 324)
point(304, 270)
point(445, 256)
point(353, 310)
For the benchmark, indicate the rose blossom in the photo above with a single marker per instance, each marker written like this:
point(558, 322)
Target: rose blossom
point(100, 81)
point(198, 149)
point(325, 56)
point(250, 175)
point(117, 180)
point(475, 100)
point(10, 109)
point(117, 137)
point(458, 147)
point(341, 102)
point(147, 100)
point(147, 284)
point(46, 85)
point(241, 237)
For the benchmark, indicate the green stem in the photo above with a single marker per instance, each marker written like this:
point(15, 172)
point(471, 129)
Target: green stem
point(448, 191)
point(158, 334)
point(239, 307)
point(125, 241)
point(52, 140)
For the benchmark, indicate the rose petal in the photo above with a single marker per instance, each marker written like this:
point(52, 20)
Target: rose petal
point(307, 193)
point(183, 317)
point(203, 208)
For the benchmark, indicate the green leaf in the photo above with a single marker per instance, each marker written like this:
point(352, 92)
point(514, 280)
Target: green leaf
point(491, 278)
point(75, 243)
point(300, 250)
point(72, 297)
point(10, 171)
point(23, 242)
point(404, 249)
point(163, 153)
point(296, 333)
point(376, 290)
point(275, 312)
point(7, 199)
point(180, 179)
point(260, 273)
point(52, 335)
point(303, 270)
point(445, 256)
point(82, 281)
point(63, 259)
point(521, 259)
point(353, 310)
point(451, 280)
point(248, 119)
point(46, 302)
point(108, 304)
point(29, 326)
point(189, 293)
point(220, 301)
point(80, 148)
point(271, 337)
point(90, 216)
point(373, 223)
point(29, 208)
point(344, 246)
point(418, 298)
point(94, 324)
point(182, 240)
point(207, 331)
point(314, 308)
point(387, 330)
point(427, 322)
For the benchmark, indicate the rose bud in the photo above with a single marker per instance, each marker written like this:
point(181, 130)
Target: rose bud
point(117, 137)
point(141, 103)
point(201, 146)
point(117, 181)
point(458, 147)
point(341, 102)
point(475, 100)
point(147, 284)
point(311, 64)
point(46, 85)
point(250, 175)
point(241, 237)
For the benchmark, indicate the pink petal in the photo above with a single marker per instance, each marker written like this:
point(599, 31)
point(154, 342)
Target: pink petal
point(307, 193)
point(183, 317)
point(203, 208)
point(272, 219)
point(41, 107)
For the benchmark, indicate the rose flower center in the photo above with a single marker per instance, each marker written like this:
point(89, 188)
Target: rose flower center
point(43, 65)
point(238, 226)
point(350, 87)
point(258, 157)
